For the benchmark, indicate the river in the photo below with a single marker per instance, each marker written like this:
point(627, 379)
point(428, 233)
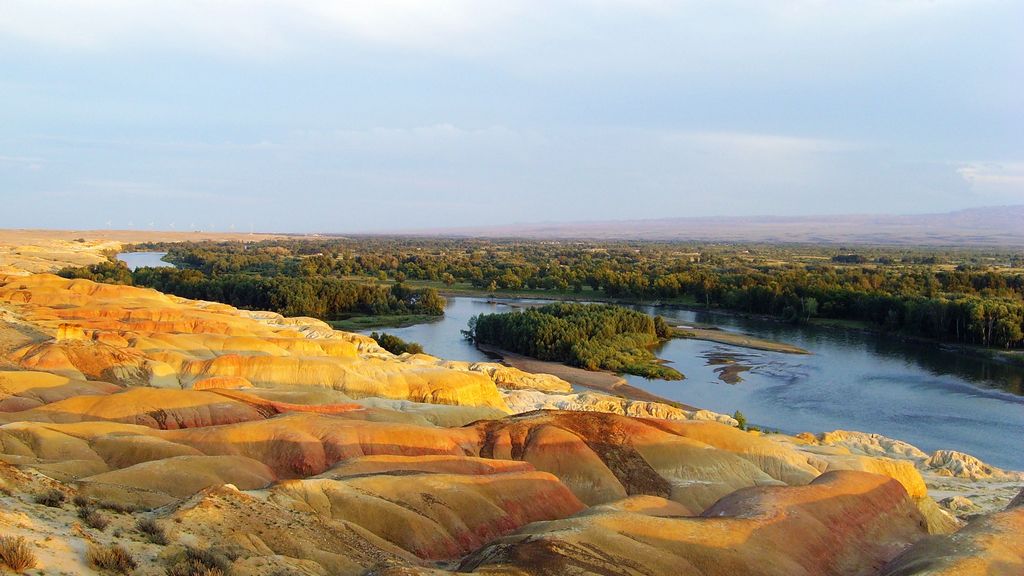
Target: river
point(916, 392)
point(144, 259)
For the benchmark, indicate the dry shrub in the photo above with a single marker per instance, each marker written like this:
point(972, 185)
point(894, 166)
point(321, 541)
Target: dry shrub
point(118, 507)
point(93, 518)
point(113, 558)
point(193, 568)
point(152, 530)
point(53, 498)
point(16, 554)
point(197, 562)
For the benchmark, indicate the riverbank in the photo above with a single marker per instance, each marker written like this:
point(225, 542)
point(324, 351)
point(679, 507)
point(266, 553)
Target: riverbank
point(1008, 357)
point(735, 339)
point(357, 323)
point(602, 381)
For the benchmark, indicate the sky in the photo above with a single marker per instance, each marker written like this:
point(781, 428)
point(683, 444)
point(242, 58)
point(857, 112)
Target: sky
point(384, 115)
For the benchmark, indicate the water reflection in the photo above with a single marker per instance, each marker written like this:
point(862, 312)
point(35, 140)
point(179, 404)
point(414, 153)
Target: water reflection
point(144, 260)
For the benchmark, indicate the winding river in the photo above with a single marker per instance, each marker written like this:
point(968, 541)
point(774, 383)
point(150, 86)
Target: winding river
point(917, 392)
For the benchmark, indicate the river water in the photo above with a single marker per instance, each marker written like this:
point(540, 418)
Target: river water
point(917, 392)
point(144, 259)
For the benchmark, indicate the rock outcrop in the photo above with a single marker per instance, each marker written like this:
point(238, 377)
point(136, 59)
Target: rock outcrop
point(960, 465)
point(842, 523)
point(988, 545)
point(520, 401)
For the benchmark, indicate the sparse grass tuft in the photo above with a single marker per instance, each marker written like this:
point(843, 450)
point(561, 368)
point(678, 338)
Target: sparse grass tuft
point(113, 558)
point(94, 518)
point(118, 507)
point(193, 568)
point(81, 501)
point(53, 498)
point(153, 531)
point(16, 554)
point(197, 562)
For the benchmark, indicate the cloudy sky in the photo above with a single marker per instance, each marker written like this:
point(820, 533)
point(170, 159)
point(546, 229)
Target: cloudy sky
point(342, 115)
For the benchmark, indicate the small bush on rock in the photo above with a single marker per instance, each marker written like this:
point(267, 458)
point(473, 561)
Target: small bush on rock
point(198, 562)
point(153, 532)
point(93, 518)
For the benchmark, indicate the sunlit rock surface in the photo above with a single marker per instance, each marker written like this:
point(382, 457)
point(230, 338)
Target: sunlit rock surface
point(989, 545)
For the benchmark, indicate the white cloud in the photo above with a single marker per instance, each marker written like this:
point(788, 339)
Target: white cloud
point(262, 26)
point(752, 142)
point(1003, 180)
point(22, 162)
point(245, 25)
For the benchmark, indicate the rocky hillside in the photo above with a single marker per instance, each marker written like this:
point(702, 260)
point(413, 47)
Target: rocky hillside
point(147, 434)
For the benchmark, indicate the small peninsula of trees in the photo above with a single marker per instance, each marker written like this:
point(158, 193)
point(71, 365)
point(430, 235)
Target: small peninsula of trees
point(590, 336)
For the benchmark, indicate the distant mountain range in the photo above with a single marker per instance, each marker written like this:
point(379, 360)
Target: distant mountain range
point(990, 226)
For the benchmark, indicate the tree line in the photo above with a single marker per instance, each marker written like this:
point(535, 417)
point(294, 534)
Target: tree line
point(317, 296)
point(951, 295)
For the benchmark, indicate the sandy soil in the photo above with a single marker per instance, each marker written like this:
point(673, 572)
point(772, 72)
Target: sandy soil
point(734, 339)
point(29, 236)
point(34, 251)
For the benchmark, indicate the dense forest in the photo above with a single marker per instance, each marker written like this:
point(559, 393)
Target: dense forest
point(590, 336)
point(317, 296)
point(961, 296)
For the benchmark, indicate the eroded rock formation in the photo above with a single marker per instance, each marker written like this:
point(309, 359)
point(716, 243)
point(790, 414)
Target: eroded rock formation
point(283, 445)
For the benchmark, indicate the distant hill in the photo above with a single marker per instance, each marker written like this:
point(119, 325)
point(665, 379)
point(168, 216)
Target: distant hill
point(990, 226)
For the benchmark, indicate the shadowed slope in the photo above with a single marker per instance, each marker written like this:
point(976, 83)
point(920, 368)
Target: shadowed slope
point(844, 523)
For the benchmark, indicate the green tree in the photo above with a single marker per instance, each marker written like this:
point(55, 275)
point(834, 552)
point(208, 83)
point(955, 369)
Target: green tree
point(740, 419)
point(396, 345)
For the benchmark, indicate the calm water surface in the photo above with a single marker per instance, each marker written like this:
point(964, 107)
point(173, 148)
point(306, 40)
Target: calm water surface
point(144, 259)
point(916, 392)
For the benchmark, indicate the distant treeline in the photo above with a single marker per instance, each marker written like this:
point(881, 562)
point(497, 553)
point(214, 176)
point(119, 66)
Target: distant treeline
point(958, 296)
point(320, 297)
point(591, 336)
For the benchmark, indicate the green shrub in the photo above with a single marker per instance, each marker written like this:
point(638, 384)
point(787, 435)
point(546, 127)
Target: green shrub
point(396, 345)
point(740, 419)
